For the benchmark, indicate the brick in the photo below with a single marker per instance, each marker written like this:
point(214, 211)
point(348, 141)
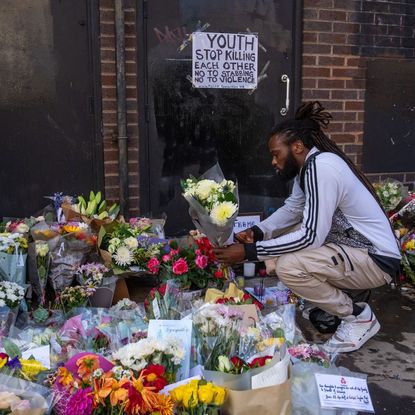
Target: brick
point(330, 61)
point(343, 94)
point(107, 28)
point(348, 72)
point(344, 116)
point(318, 3)
point(353, 127)
point(403, 9)
point(354, 106)
point(316, 94)
point(108, 68)
point(332, 38)
point(108, 55)
point(361, 17)
point(309, 60)
point(330, 83)
point(373, 29)
point(341, 50)
point(388, 19)
point(345, 27)
point(388, 41)
point(356, 62)
point(109, 79)
point(348, 5)
point(310, 14)
point(355, 84)
point(310, 37)
point(332, 15)
point(342, 138)
point(360, 116)
point(317, 26)
point(360, 39)
point(352, 148)
point(335, 127)
point(107, 16)
point(408, 43)
point(309, 83)
point(375, 6)
point(332, 105)
point(400, 31)
point(109, 92)
point(316, 72)
point(317, 49)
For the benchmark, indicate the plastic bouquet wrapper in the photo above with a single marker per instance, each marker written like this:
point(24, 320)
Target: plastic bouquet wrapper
point(305, 397)
point(214, 204)
point(281, 322)
point(12, 295)
point(13, 255)
point(38, 269)
point(67, 253)
point(390, 193)
point(21, 397)
point(309, 353)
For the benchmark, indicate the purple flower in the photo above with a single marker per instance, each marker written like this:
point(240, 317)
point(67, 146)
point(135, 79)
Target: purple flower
point(14, 363)
point(80, 403)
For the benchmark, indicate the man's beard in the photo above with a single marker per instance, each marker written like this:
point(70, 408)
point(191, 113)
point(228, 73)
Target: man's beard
point(290, 169)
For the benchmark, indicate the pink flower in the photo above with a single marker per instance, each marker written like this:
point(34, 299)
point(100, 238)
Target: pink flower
point(166, 258)
point(198, 252)
point(80, 403)
point(201, 261)
point(180, 267)
point(153, 265)
point(174, 252)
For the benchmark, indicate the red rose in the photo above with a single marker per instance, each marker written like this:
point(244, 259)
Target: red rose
point(180, 267)
point(162, 289)
point(153, 265)
point(237, 362)
point(259, 362)
point(218, 274)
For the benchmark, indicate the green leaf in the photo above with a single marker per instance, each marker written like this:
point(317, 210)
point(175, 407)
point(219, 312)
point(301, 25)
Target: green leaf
point(11, 348)
point(229, 197)
point(42, 272)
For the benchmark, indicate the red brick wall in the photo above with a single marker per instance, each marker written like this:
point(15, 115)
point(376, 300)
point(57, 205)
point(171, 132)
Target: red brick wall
point(339, 37)
point(109, 103)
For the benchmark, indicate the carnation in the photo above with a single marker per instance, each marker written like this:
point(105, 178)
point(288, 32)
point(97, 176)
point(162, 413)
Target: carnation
point(123, 256)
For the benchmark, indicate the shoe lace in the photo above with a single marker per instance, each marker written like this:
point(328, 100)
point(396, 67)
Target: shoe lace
point(344, 330)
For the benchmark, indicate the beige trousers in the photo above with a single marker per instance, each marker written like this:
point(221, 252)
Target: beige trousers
point(320, 274)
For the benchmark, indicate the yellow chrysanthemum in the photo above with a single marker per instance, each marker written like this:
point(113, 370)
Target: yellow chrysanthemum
point(222, 212)
point(177, 393)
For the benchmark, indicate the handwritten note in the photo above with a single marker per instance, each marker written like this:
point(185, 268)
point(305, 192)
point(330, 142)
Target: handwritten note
point(181, 329)
point(337, 391)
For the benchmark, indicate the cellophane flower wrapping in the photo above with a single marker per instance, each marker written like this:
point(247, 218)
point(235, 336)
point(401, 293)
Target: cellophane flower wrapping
point(201, 210)
point(25, 397)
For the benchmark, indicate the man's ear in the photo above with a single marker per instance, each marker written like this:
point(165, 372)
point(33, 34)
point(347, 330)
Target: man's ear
point(298, 147)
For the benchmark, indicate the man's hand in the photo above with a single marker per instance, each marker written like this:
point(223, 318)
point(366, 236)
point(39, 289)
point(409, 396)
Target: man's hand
point(245, 237)
point(231, 254)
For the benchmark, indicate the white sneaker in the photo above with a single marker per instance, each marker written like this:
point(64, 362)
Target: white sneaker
point(353, 332)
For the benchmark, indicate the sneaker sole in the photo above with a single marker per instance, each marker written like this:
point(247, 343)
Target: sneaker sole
point(368, 335)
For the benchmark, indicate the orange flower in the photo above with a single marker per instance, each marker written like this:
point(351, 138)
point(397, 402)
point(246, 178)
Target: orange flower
point(87, 365)
point(65, 377)
point(70, 228)
point(116, 391)
point(164, 405)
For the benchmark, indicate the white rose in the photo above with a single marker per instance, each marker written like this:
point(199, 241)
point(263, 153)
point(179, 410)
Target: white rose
point(224, 364)
point(22, 228)
point(131, 242)
point(205, 187)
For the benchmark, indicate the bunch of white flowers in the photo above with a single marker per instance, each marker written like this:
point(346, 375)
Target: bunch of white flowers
point(11, 294)
point(217, 198)
point(390, 193)
point(137, 356)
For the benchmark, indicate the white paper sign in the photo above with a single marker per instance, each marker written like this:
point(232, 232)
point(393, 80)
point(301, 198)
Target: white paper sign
point(41, 354)
point(242, 223)
point(337, 391)
point(225, 60)
point(156, 309)
point(181, 329)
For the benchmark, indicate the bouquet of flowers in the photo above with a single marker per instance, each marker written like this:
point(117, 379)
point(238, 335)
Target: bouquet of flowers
point(309, 353)
point(198, 397)
point(72, 297)
point(13, 255)
point(194, 266)
point(390, 193)
point(214, 204)
point(127, 250)
point(137, 356)
point(217, 332)
point(19, 226)
point(89, 384)
point(92, 274)
point(27, 369)
point(236, 365)
point(408, 255)
point(11, 294)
